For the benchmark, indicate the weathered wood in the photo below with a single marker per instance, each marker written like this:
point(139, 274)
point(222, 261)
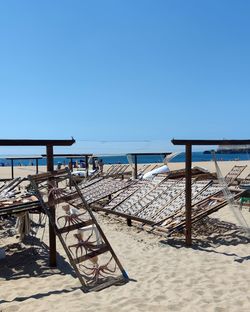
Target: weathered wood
point(124, 215)
point(112, 281)
point(25, 142)
point(99, 247)
point(92, 254)
point(188, 195)
point(52, 236)
point(210, 142)
point(75, 226)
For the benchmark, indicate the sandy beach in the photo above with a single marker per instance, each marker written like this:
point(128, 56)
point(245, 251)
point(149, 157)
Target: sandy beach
point(212, 275)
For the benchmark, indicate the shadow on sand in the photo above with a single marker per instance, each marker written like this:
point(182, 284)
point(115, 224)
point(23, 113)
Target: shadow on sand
point(224, 234)
point(31, 259)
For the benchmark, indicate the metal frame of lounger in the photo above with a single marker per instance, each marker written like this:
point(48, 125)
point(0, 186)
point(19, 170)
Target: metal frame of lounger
point(199, 210)
point(125, 206)
point(179, 202)
point(233, 174)
point(124, 195)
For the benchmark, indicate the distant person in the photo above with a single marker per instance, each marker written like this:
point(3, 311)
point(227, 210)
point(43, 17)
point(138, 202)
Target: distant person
point(70, 166)
point(96, 164)
point(92, 162)
point(100, 164)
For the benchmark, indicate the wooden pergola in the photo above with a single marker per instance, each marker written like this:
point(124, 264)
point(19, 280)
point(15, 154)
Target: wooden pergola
point(135, 155)
point(36, 158)
point(188, 146)
point(74, 156)
point(50, 167)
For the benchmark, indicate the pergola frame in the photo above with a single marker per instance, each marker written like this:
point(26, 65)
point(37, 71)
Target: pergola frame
point(50, 167)
point(188, 145)
point(75, 156)
point(36, 158)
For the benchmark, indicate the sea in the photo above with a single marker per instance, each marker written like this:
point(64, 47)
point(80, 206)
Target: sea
point(123, 159)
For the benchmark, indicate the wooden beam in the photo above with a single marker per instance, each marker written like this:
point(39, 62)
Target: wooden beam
point(25, 142)
point(210, 142)
point(87, 165)
point(188, 195)
point(136, 169)
point(36, 165)
point(12, 169)
point(52, 235)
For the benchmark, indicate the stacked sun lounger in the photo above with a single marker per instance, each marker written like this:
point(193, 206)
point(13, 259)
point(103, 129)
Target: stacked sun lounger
point(233, 174)
point(127, 206)
point(178, 202)
point(12, 200)
point(162, 202)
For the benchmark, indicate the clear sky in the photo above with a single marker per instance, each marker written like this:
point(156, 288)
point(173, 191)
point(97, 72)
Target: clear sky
point(124, 75)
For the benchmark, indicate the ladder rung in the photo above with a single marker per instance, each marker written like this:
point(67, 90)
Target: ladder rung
point(75, 226)
point(92, 254)
point(112, 281)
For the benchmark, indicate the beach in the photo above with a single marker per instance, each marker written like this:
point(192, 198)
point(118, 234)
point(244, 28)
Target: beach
point(212, 275)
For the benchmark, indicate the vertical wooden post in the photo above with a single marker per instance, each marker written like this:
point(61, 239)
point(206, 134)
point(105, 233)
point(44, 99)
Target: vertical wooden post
point(135, 173)
point(188, 194)
point(36, 165)
point(87, 165)
point(52, 236)
point(129, 222)
point(12, 169)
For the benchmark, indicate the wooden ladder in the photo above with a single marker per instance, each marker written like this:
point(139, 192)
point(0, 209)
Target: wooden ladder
point(87, 248)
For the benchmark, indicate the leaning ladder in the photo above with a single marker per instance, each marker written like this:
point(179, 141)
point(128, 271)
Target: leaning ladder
point(87, 248)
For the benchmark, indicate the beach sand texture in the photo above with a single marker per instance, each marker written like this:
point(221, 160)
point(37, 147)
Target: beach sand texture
point(213, 275)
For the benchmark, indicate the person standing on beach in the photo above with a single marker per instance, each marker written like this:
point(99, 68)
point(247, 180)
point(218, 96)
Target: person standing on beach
point(100, 164)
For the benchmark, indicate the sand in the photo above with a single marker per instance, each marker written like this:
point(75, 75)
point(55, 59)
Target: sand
point(212, 275)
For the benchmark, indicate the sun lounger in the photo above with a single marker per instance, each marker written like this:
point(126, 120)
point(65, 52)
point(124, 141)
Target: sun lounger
point(233, 174)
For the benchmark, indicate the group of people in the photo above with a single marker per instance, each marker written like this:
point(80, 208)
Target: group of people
point(97, 164)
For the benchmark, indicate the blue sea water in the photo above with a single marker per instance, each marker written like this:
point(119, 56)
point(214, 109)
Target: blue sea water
point(196, 157)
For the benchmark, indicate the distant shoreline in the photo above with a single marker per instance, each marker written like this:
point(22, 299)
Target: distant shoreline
point(123, 159)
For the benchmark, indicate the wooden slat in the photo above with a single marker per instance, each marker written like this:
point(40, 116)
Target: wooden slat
point(93, 254)
point(124, 215)
point(75, 226)
point(16, 209)
point(114, 280)
point(49, 174)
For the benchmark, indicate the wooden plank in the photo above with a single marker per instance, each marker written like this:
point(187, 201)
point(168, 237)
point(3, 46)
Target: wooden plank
point(92, 254)
point(49, 174)
point(75, 226)
point(188, 233)
point(31, 142)
point(16, 209)
point(110, 282)
point(123, 215)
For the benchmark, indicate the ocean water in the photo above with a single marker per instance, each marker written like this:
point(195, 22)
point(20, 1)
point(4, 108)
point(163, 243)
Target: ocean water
point(122, 159)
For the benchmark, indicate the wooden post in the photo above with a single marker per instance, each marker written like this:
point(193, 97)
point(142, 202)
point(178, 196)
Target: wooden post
point(52, 235)
point(188, 194)
point(12, 169)
point(36, 165)
point(129, 222)
point(135, 172)
point(87, 165)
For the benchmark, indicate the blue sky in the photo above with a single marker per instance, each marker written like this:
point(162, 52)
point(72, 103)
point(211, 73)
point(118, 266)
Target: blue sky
point(124, 75)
